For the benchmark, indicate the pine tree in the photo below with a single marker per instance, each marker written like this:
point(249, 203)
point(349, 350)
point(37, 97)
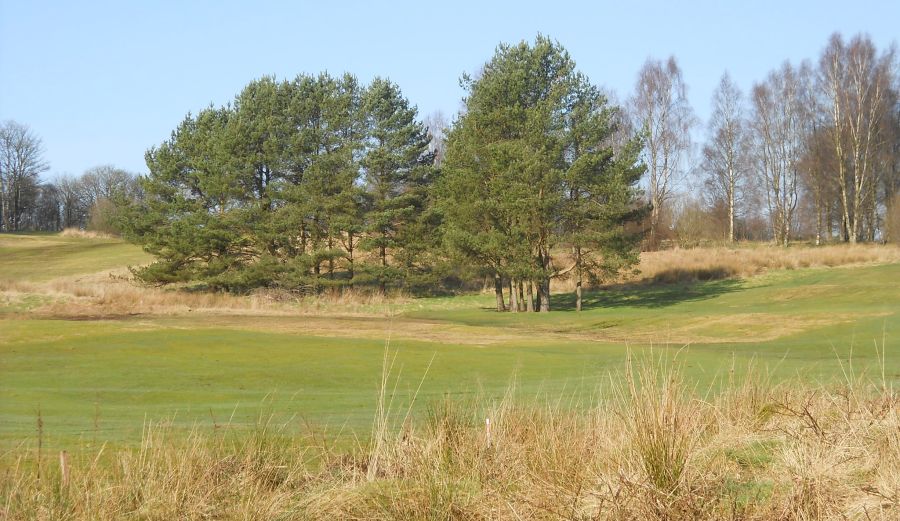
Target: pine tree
point(601, 191)
point(397, 171)
point(529, 168)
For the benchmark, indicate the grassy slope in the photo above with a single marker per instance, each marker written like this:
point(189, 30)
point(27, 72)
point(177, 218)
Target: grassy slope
point(43, 257)
point(101, 379)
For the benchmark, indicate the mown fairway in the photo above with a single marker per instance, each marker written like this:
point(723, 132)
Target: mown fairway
point(99, 378)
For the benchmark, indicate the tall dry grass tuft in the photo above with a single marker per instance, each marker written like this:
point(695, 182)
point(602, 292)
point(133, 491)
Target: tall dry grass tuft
point(666, 426)
point(649, 449)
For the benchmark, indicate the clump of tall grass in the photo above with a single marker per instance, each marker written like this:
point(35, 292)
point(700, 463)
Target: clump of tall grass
point(650, 447)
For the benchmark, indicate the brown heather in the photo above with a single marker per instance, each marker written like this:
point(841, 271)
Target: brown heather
point(652, 449)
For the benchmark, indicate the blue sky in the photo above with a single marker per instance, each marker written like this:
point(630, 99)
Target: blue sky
point(100, 82)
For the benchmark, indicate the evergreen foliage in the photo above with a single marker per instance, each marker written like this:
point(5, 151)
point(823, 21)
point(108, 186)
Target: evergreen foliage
point(321, 183)
point(530, 168)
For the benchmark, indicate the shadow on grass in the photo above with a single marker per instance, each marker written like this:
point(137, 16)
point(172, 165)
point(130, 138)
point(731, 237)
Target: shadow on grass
point(646, 296)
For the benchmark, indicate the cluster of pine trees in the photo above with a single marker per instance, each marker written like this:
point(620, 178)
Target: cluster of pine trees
point(321, 183)
point(290, 186)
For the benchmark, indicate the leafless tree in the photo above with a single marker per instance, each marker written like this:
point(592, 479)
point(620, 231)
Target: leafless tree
point(780, 124)
point(817, 171)
point(890, 164)
point(856, 84)
point(73, 207)
point(104, 182)
point(437, 126)
point(724, 155)
point(21, 162)
point(660, 107)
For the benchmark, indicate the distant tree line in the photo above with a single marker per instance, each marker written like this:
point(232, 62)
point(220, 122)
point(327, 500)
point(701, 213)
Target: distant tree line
point(320, 183)
point(30, 203)
point(812, 152)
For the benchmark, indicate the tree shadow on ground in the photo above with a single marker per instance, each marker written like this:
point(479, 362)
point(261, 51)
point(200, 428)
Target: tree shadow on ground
point(646, 295)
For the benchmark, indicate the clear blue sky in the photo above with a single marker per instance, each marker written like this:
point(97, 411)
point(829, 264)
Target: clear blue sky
point(101, 82)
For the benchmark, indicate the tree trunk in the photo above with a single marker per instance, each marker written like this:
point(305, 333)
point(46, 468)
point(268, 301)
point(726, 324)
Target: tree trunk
point(498, 292)
point(731, 209)
point(383, 265)
point(15, 209)
point(529, 301)
point(513, 297)
point(537, 296)
point(350, 257)
point(330, 258)
point(545, 294)
point(521, 299)
point(578, 294)
point(818, 222)
point(578, 278)
point(2, 204)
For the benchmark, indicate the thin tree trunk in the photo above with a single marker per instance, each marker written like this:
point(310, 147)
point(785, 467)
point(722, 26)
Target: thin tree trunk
point(2, 204)
point(498, 292)
point(350, 257)
point(383, 264)
point(537, 296)
point(578, 294)
point(513, 300)
point(731, 209)
point(578, 278)
point(521, 300)
point(818, 222)
point(529, 301)
point(330, 258)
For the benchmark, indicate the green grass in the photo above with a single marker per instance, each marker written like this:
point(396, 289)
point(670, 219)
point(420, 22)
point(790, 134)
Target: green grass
point(42, 257)
point(100, 380)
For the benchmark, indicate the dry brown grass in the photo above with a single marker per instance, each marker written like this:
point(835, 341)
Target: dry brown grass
point(743, 260)
point(84, 234)
point(720, 262)
point(653, 449)
point(112, 294)
point(107, 295)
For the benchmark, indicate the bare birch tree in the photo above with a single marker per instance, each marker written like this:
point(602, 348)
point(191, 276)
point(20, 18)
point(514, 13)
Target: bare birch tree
point(856, 83)
point(660, 107)
point(724, 155)
point(780, 121)
point(437, 126)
